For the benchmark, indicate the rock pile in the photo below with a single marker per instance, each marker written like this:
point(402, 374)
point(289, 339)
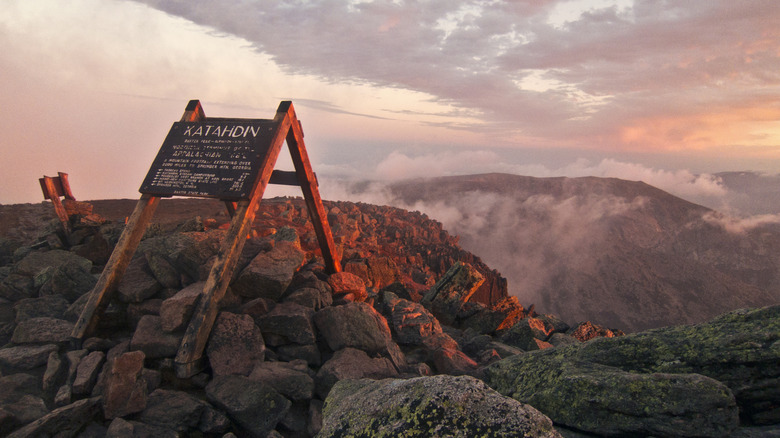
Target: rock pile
point(380, 349)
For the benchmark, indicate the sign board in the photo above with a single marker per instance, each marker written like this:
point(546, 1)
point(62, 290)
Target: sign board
point(216, 159)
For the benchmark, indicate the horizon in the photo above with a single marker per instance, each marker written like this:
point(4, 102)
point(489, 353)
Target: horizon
point(669, 95)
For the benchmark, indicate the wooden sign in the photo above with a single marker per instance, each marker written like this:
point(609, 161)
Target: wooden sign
point(230, 159)
point(216, 159)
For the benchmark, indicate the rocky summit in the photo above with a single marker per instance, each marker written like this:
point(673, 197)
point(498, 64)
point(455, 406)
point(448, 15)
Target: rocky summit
point(416, 337)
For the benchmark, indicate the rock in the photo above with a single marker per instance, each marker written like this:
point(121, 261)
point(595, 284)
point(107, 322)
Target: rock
point(561, 340)
point(347, 286)
point(16, 287)
point(253, 405)
point(525, 334)
point(52, 306)
point(25, 357)
point(428, 406)
point(71, 280)
point(25, 410)
point(350, 363)
point(288, 323)
point(15, 386)
point(453, 289)
point(163, 271)
point(503, 315)
point(292, 380)
point(125, 390)
point(235, 345)
point(739, 349)
point(87, 372)
point(453, 362)
point(586, 331)
point(55, 372)
point(136, 311)
point(42, 330)
point(177, 310)
point(412, 323)
point(138, 283)
point(309, 353)
point(310, 297)
point(150, 338)
point(608, 401)
point(187, 252)
point(175, 410)
point(355, 325)
point(120, 428)
point(37, 261)
point(269, 273)
point(66, 421)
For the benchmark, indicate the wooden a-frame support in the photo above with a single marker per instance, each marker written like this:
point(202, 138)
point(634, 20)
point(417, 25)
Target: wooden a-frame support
point(189, 360)
point(53, 187)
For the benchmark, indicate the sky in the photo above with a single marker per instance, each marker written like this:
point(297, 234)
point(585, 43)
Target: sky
point(667, 92)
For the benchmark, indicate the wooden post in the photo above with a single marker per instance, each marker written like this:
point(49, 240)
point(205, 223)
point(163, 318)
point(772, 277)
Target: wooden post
point(189, 359)
point(308, 183)
point(49, 186)
point(112, 274)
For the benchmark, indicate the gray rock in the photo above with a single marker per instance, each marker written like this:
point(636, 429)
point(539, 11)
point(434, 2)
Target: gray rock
point(163, 271)
point(55, 372)
point(292, 380)
point(177, 310)
point(453, 362)
point(524, 334)
point(42, 330)
point(15, 386)
point(71, 280)
point(452, 291)
point(35, 262)
point(288, 323)
point(66, 421)
point(121, 428)
point(269, 273)
point(87, 372)
point(436, 406)
point(138, 283)
point(125, 391)
point(187, 252)
point(412, 323)
point(235, 345)
point(350, 363)
point(150, 338)
point(52, 306)
point(309, 353)
point(355, 325)
point(609, 401)
point(175, 410)
point(25, 410)
point(25, 357)
point(253, 405)
point(15, 287)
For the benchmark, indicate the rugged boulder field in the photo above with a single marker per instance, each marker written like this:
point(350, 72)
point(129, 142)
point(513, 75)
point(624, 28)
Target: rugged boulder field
point(416, 337)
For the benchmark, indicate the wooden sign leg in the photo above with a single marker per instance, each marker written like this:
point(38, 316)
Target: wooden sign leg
point(62, 215)
point(109, 280)
point(308, 182)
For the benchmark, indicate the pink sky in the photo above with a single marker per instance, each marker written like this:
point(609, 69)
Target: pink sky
point(634, 89)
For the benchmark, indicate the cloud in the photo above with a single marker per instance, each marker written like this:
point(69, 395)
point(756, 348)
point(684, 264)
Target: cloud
point(614, 74)
point(737, 225)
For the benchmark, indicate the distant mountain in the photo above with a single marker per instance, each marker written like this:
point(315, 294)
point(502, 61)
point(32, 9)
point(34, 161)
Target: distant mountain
point(751, 193)
point(622, 253)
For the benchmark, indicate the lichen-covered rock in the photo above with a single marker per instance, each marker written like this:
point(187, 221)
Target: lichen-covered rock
point(253, 405)
point(452, 291)
point(609, 401)
point(439, 406)
point(740, 349)
point(235, 345)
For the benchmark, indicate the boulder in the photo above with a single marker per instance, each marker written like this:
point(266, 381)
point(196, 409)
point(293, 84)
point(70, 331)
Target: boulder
point(269, 273)
point(66, 421)
point(87, 372)
point(288, 323)
point(71, 280)
point(346, 286)
point(487, 320)
point(428, 406)
point(150, 338)
point(25, 410)
point(175, 410)
point(526, 334)
point(121, 428)
point(235, 345)
point(42, 330)
point(412, 323)
point(25, 357)
point(37, 261)
point(125, 390)
point(739, 349)
point(291, 379)
point(253, 405)
point(452, 291)
point(186, 252)
point(138, 283)
point(350, 363)
point(608, 401)
point(453, 362)
point(14, 287)
point(586, 331)
point(355, 325)
point(52, 306)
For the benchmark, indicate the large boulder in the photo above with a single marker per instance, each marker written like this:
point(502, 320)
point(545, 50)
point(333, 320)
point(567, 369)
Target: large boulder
point(269, 273)
point(611, 402)
point(350, 363)
point(452, 291)
point(288, 323)
point(428, 406)
point(235, 345)
point(740, 349)
point(66, 421)
point(255, 406)
point(42, 330)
